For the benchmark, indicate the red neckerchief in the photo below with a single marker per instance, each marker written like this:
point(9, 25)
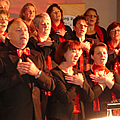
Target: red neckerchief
point(48, 63)
point(61, 26)
point(81, 61)
point(48, 59)
point(26, 51)
point(99, 32)
point(117, 64)
point(96, 105)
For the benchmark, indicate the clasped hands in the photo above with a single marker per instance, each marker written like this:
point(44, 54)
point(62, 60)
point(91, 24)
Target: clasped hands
point(76, 79)
point(106, 79)
point(45, 43)
point(27, 67)
point(85, 46)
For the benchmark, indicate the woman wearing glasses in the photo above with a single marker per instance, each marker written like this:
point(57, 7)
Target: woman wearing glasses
point(113, 34)
point(94, 33)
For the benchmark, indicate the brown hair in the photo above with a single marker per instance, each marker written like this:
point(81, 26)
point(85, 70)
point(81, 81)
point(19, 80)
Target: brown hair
point(50, 9)
point(24, 9)
point(89, 9)
point(62, 49)
point(110, 27)
point(78, 18)
point(97, 44)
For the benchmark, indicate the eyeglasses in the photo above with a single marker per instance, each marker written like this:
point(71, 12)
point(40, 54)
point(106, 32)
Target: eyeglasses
point(92, 15)
point(4, 19)
point(113, 30)
point(80, 25)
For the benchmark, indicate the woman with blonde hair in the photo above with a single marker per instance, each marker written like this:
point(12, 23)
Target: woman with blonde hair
point(28, 13)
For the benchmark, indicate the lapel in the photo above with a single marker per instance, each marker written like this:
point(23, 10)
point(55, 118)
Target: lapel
point(14, 59)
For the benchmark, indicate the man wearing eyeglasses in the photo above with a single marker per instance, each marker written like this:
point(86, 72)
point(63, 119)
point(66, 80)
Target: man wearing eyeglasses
point(80, 29)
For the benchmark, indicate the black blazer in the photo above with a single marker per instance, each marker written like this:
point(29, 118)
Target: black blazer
point(20, 94)
point(104, 97)
point(61, 102)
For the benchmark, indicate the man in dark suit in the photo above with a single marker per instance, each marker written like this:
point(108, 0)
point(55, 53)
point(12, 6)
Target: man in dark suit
point(23, 73)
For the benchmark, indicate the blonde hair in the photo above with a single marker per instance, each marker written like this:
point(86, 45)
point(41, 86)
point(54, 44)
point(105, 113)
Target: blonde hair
point(24, 9)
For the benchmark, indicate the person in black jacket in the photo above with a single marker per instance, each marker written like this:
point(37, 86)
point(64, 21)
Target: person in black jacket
point(59, 31)
point(64, 103)
point(23, 73)
point(100, 74)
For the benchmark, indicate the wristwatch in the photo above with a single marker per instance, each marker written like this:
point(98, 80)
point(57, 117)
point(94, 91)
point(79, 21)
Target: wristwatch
point(38, 75)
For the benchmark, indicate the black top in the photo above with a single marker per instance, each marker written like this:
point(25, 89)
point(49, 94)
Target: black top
point(61, 102)
point(96, 37)
point(20, 94)
point(104, 98)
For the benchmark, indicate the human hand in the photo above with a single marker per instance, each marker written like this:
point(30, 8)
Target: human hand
point(75, 79)
point(60, 32)
point(112, 51)
point(20, 70)
point(28, 68)
point(45, 43)
point(85, 46)
point(104, 79)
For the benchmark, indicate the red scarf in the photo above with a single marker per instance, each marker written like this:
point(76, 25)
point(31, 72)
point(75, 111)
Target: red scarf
point(80, 65)
point(61, 26)
point(99, 32)
point(96, 104)
point(117, 64)
point(48, 63)
point(48, 59)
point(76, 108)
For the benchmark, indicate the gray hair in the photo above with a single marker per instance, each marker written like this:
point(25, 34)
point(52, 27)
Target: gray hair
point(36, 20)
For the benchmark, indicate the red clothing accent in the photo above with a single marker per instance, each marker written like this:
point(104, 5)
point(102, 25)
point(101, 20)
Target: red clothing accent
point(47, 93)
point(117, 64)
point(61, 26)
point(48, 63)
point(81, 63)
point(96, 105)
point(25, 51)
point(77, 105)
point(99, 32)
point(48, 59)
